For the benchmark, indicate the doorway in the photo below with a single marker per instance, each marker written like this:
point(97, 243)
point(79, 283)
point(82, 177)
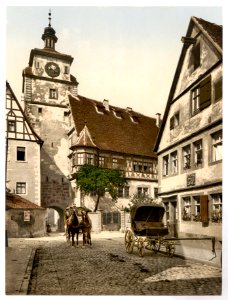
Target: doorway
point(171, 217)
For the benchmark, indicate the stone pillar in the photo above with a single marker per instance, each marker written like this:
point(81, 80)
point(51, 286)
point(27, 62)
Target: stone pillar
point(96, 221)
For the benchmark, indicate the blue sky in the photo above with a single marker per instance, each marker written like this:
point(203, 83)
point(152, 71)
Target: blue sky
point(126, 54)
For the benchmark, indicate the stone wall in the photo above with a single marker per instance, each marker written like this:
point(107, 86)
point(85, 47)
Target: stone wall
point(17, 227)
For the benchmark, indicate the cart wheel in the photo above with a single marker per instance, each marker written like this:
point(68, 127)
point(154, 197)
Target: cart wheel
point(141, 247)
point(170, 249)
point(129, 241)
point(155, 245)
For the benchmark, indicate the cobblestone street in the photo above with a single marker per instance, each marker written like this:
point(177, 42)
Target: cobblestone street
point(106, 269)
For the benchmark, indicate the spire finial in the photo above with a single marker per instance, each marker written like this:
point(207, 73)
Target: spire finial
point(49, 18)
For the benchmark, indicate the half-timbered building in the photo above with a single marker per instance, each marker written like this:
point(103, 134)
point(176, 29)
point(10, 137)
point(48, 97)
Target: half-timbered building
point(189, 144)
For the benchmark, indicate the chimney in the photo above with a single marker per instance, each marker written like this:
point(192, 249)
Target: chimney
point(128, 109)
point(158, 119)
point(106, 104)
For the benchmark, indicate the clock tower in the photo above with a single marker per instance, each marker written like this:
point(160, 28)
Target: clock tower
point(46, 84)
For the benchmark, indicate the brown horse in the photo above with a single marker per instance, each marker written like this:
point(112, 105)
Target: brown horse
point(86, 229)
point(73, 227)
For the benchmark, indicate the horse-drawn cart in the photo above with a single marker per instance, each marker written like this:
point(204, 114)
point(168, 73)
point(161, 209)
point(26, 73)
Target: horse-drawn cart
point(147, 230)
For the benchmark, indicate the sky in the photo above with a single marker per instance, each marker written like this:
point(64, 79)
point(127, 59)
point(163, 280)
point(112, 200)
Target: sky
point(126, 54)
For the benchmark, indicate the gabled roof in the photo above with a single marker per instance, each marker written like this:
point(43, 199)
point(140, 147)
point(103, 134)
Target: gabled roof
point(126, 132)
point(15, 201)
point(35, 135)
point(213, 33)
point(211, 30)
point(84, 138)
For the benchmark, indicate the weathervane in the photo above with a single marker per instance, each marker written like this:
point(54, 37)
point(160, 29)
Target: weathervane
point(49, 18)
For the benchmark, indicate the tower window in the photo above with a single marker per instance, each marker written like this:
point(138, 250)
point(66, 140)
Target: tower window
point(53, 94)
point(21, 153)
point(21, 188)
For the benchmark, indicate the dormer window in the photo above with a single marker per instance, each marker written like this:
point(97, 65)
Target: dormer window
point(100, 109)
point(134, 119)
point(118, 114)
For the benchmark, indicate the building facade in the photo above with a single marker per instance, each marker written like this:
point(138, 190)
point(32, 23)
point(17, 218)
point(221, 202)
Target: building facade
point(189, 144)
point(46, 83)
point(23, 147)
point(113, 138)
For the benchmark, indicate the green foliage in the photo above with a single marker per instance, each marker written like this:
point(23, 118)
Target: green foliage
point(138, 199)
point(92, 179)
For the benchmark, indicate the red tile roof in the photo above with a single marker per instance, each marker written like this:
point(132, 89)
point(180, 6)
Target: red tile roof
point(113, 133)
point(15, 201)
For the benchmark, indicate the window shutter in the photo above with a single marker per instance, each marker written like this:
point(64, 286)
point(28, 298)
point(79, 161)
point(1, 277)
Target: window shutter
point(205, 93)
point(204, 208)
point(218, 89)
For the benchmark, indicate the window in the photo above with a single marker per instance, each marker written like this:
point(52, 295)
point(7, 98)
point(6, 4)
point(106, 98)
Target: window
point(123, 192)
point(37, 64)
point(80, 159)
point(155, 193)
point(101, 161)
point(66, 70)
point(142, 191)
point(217, 146)
point(21, 153)
point(137, 166)
point(110, 218)
point(20, 188)
point(53, 94)
point(174, 163)
point(196, 200)
point(187, 157)
point(165, 165)
point(114, 163)
point(147, 167)
point(186, 216)
point(174, 120)
point(11, 125)
point(201, 96)
point(89, 158)
point(134, 119)
point(195, 58)
point(198, 153)
point(40, 110)
point(218, 89)
point(216, 213)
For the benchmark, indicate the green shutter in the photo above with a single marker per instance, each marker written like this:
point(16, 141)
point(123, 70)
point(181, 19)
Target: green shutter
point(205, 93)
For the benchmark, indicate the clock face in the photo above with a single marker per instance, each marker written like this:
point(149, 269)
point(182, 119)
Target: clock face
point(52, 69)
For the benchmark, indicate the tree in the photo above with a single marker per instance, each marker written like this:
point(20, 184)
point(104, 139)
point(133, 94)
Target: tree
point(92, 179)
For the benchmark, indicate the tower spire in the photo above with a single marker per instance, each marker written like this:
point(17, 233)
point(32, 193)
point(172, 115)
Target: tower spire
point(49, 36)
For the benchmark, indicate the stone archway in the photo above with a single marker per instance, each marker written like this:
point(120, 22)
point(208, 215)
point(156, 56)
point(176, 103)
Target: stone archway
point(60, 225)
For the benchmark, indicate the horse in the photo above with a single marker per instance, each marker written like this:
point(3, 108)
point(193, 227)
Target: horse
point(86, 229)
point(73, 227)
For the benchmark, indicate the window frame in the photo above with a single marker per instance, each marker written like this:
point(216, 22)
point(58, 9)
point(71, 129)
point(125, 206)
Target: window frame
point(186, 157)
point(20, 187)
point(53, 93)
point(18, 153)
point(215, 144)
